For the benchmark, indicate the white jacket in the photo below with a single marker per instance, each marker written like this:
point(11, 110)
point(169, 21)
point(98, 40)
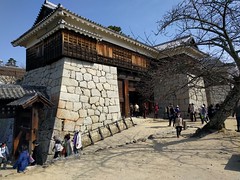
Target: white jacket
point(1, 156)
point(77, 140)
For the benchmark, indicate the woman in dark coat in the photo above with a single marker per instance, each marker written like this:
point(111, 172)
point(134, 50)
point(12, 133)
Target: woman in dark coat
point(37, 154)
point(23, 160)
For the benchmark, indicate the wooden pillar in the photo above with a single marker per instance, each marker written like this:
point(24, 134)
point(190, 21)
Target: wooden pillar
point(126, 98)
point(34, 127)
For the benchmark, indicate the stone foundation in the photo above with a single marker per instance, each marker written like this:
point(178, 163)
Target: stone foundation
point(85, 97)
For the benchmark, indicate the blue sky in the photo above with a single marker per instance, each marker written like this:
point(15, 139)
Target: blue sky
point(137, 18)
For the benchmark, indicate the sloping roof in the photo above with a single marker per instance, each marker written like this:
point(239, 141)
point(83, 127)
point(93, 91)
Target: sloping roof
point(183, 41)
point(46, 9)
point(12, 91)
point(28, 99)
point(62, 18)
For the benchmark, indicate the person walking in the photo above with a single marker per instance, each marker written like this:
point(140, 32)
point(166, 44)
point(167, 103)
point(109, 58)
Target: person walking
point(156, 109)
point(67, 145)
point(23, 160)
point(171, 115)
point(178, 124)
point(236, 112)
point(4, 154)
point(136, 110)
point(192, 113)
point(203, 114)
point(77, 142)
point(145, 109)
point(37, 153)
point(57, 148)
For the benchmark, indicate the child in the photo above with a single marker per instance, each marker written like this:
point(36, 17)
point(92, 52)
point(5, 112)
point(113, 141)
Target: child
point(4, 155)
point(179, 124)
point(58, 148)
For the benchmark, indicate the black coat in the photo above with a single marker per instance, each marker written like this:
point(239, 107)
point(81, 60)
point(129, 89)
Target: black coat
point(37, 155)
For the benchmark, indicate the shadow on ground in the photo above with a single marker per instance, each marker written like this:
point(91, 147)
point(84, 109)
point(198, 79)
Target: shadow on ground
point(233, 163)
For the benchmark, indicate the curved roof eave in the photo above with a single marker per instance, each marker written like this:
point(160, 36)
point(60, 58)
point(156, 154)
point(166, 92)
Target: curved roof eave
point(60, 11)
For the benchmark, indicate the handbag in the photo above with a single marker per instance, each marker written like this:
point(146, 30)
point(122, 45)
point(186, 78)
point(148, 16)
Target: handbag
point(31, 160)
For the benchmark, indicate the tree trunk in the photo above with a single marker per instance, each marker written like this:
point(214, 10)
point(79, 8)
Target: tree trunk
point(226, 109)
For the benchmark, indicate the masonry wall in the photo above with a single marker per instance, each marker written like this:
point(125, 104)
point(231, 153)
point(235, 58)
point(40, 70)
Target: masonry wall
point(177, 91)
point(88, 96)
point(85, 97)
point(217, 94)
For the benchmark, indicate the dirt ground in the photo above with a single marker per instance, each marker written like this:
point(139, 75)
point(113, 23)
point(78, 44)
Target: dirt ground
point(151, 151)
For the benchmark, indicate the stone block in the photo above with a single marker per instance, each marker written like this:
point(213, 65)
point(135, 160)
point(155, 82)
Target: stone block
point(92, 71)
point(67, 114)
point(95, 92)
point(97, 112)
point(106, 68)
point(80, 122)
point(84, 99)
point(77, 106)
point(99, 86)
point(83, 84)
point(61, 104)
point(71, 89)
point(87, 121)
point(69, 97)
point(69, 105)
point(95, 79)
point(95, 136)
point(112, 94)
point(106, 86)
point(113, 109)
point(79, 76)
point(91, 85)
point(102, 117)
point(97, 125)
point(82, 113)
point(85, 140)
point(87, 92)
point(109, 76)
point(78, 90)
point(95, 119)
point(104, 93)
point(69, 125)
point(69, 82)
point(102, 79)
point(66, 73)
point(87, 77)
point(90, 112)
point(105, 132)
point(93, 100)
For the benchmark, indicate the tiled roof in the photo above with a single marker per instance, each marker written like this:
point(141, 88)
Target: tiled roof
point(28, 99)
point(183, 41)
point(11, 91)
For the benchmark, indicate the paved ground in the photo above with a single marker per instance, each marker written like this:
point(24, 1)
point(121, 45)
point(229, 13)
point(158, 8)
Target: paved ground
point(145, 129)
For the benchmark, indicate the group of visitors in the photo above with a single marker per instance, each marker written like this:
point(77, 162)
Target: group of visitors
point(172, 113)
point(174, 117)
point(25, 158)
point(136, 110)
point(205, 113)
point(67, 147)
point(62, 149)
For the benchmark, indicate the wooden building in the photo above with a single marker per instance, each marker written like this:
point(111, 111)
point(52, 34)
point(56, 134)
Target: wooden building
point(90, 72)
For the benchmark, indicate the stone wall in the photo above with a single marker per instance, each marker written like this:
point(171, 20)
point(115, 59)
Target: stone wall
point(88, 96)
point(178, 91)
point(197, 93)
point(217, 94)
point(85, 97)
